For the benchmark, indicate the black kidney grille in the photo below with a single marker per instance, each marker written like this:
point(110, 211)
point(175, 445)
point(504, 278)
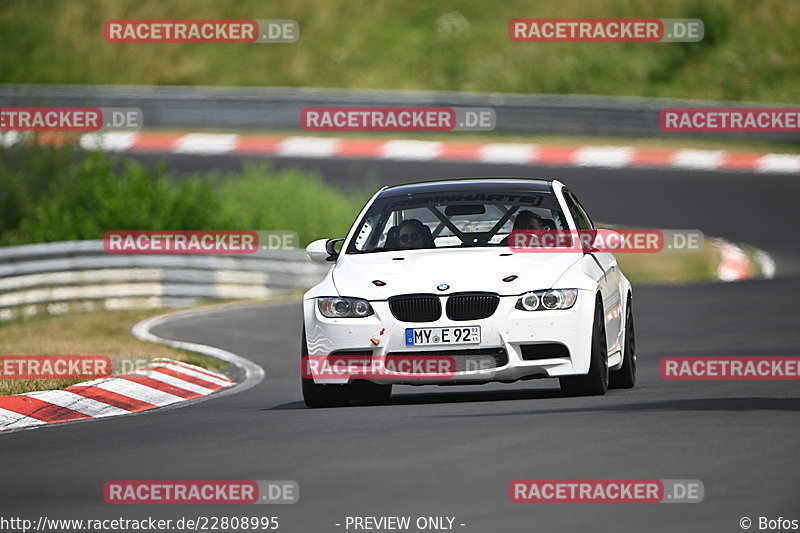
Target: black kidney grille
point(472, 305)
point(416, 307)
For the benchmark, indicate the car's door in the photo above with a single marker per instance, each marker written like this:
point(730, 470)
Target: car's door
point(608, 277)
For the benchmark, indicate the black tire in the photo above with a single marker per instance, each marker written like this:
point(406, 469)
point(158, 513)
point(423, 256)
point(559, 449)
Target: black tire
point(625, 376)
point(595, 383)
point(372, 392)
point(322, 395)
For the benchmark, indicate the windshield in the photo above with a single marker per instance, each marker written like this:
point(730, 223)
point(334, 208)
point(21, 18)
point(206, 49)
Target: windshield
point(458, 219)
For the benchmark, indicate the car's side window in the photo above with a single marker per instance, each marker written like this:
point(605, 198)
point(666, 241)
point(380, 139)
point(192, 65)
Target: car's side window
point(582, 210)
point(582, 220)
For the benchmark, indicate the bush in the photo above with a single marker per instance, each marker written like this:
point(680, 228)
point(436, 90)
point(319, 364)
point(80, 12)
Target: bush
point(26, 170)
point(293, 199)
point(56, 194)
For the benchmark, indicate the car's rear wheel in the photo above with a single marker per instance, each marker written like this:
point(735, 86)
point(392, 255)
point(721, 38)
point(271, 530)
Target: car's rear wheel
point(322, 395)
point(594, 383)
point(625, 376)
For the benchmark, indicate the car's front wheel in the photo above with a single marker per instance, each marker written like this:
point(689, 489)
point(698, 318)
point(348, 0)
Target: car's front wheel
point(594, 383)
point(625, 376)
point(322, 395)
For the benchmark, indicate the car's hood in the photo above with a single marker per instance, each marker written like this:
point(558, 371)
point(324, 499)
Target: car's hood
point(471, 269)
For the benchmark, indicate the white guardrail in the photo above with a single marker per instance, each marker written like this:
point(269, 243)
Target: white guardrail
point(59, 277)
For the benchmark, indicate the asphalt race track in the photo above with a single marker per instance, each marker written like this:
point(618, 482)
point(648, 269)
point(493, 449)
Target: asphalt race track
point(437, 451)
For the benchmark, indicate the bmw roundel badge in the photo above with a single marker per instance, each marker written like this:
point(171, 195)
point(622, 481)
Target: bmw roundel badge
point(443, 286)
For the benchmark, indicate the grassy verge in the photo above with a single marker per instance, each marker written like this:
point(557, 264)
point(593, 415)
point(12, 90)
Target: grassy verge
point(671, 267)
point(750, 50)
point(97, 333)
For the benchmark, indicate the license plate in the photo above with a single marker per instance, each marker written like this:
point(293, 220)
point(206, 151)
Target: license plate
point(452, 335)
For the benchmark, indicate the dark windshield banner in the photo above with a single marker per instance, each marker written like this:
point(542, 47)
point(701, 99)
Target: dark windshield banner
point(444, 199)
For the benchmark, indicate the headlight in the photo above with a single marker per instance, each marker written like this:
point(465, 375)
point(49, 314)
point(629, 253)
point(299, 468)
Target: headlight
point(333, 307)
point(547, 300)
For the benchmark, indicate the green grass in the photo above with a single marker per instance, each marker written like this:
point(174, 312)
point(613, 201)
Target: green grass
point(95, 333)
point(750, 50)
point(675, 268)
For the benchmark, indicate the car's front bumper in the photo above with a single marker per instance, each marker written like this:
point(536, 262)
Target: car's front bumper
point(508, 329)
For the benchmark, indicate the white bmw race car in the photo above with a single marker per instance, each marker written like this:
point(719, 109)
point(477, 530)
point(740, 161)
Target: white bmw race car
point(427, 289)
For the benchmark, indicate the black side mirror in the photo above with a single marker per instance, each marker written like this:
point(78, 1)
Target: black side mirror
point(330, 247)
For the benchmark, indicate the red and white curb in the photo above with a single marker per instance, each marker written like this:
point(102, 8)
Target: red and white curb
point(164, 382)
point(735, 265)
point(415, 150)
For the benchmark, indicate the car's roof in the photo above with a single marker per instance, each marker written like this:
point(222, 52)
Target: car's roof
point(471, 184)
